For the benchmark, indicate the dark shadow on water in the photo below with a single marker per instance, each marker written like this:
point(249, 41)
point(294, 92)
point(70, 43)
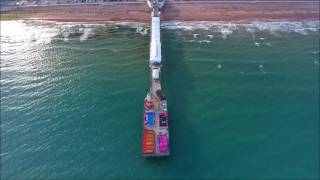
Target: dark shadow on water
point(157, 159)
point(178, 85)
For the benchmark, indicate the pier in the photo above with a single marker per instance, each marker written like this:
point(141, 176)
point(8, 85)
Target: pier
point(155, 119)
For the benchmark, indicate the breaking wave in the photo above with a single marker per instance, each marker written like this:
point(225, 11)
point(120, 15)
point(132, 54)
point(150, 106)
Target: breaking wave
point(40, 32)
point(141, 28)
point(225, 29)
point(86, 33)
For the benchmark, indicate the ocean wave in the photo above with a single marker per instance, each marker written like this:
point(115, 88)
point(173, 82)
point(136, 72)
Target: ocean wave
point(198, 41)
point(88, 29)
point(43, 32)
point(86, 33)
point(141, 28)
point(300, 27)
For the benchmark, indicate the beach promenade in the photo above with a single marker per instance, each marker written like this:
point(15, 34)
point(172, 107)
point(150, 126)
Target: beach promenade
point(138, 11)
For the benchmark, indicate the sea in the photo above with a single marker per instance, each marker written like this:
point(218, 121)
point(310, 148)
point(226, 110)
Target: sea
point(243, 100)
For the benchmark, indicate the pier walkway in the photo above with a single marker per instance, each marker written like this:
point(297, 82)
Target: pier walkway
point(156, 130)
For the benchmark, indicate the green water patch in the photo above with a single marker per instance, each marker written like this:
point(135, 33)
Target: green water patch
point(71, 107)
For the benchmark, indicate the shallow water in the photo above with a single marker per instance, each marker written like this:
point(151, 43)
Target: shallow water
point(243, 100)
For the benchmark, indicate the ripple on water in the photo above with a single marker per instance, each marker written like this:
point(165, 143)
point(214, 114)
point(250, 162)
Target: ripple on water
point(73, 105)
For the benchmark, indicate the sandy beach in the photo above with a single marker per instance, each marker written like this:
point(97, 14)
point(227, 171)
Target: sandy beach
point(172, 11)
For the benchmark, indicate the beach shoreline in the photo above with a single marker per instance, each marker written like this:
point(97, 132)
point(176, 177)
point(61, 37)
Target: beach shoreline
point(172, 11)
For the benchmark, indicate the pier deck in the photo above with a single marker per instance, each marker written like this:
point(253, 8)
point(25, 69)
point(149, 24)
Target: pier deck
point(155, 122)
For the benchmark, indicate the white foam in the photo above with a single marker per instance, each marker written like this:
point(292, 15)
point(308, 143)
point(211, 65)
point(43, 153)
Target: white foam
point(301, 27)
point(262, 69)
point(45, 31)
point(86, 33)
point(204, 41)
point(225, 32)
point(191, 40)
point(198, 41)
point(66, 35)
point(301, 31)
point(257, 44)
point(142, 30)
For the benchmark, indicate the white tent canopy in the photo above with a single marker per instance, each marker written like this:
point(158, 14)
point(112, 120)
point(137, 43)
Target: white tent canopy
point(155, 46)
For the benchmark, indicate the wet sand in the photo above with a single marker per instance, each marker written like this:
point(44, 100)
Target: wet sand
point(172, 11)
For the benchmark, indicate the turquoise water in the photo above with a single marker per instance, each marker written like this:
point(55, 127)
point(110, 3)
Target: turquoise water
point(243, 101)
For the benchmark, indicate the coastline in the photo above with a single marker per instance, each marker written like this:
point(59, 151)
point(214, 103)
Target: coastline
point(172, 11)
